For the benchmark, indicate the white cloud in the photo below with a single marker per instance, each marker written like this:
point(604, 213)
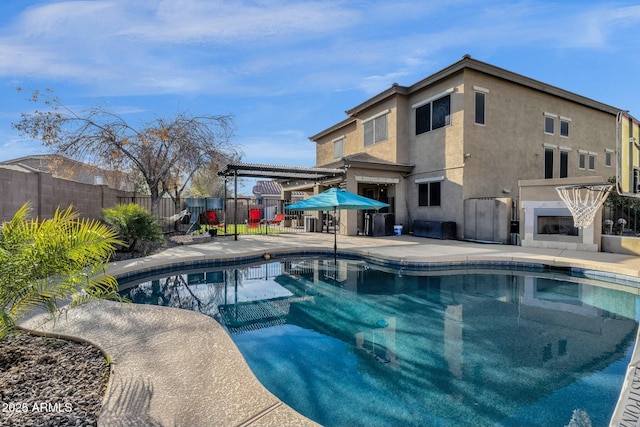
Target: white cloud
point(119, 47)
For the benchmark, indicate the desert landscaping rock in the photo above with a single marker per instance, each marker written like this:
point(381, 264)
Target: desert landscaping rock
point(50, 382)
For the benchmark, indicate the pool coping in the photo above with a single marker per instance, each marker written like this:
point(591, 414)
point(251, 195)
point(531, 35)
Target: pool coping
point(133, 335)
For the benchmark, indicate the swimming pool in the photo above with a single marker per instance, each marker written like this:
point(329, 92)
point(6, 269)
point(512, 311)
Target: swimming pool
point(355, 344)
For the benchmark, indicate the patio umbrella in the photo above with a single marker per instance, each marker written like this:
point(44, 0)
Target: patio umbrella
point(334, 199)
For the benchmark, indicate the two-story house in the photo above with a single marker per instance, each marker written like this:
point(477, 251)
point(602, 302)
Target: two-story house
point(454, 146)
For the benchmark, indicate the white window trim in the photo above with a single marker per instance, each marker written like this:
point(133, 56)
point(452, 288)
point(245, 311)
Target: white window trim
point(547, 145)
point(380, 114)
point(484, 91)
point(376, 179)
point(341, 139)
point(563, 148)
point(433, 98)
point(428, 180)
point(546, 114)
point(609, 151)
point(563, 119)
point(544, 123)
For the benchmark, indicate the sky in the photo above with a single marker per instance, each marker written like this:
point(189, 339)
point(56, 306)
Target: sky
point(286, 69)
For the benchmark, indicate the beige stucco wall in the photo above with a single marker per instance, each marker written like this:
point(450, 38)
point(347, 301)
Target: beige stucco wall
point(479, 161)
point(353, 134)
point(515, 118)
point(324, 145)
point(438, 153)
point(626, 245)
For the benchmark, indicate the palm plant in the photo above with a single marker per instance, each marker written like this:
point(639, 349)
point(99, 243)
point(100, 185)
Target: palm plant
point(45, 262)
point(135, 225)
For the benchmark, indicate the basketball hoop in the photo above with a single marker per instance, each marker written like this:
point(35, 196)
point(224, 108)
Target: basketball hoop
point(583, 201)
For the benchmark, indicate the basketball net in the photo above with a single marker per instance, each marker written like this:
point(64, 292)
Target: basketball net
point(584, 201)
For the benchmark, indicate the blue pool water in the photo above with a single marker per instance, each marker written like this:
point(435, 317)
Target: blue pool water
point(355, 344)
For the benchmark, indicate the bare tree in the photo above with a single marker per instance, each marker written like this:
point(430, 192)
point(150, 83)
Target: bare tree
point(166, 152)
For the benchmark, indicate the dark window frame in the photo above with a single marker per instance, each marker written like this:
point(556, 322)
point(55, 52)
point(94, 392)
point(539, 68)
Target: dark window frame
point(564, 164)
point(564, 128)
point(433, 115)
point(480, 108)
point(430, 194)
point(549, 125)
point(548, 162)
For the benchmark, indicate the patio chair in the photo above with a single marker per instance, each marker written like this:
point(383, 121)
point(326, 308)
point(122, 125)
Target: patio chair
point(254, 218)
point(277, 220)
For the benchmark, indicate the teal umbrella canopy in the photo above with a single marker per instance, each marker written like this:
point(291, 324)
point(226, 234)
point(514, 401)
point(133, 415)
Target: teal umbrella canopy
point(336, 199)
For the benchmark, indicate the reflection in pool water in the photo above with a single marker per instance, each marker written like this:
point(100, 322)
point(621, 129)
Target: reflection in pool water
point(354, 344)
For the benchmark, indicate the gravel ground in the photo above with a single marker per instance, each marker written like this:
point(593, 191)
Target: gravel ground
point(50, 382)
point(53, 382)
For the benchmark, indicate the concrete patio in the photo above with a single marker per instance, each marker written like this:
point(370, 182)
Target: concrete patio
point(179, 368)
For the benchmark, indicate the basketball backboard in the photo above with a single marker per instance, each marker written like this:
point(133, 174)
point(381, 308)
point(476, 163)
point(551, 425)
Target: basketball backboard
point(628, 154)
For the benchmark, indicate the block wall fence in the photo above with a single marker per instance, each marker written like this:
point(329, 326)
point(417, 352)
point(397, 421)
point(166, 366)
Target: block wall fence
point(46, 193)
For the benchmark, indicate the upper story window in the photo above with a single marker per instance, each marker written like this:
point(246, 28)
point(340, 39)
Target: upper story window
point(548, 162)
point(549, 123)
point(564, 127)
point(433, 113)
point(338, 148)
point(608, 157)
point(480, 101)
point(586, 160)
point(564, 162)
point(375, 129)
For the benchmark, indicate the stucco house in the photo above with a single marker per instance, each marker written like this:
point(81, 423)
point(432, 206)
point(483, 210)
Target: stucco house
point(454, 146)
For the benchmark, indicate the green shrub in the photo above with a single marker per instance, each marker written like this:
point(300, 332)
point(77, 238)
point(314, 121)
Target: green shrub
point(46, 261)
point(135, 226)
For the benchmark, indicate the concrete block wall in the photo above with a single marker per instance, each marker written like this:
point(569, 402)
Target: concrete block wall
point(46, 193)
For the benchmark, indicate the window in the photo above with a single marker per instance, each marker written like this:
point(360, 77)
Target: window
point(338, 148)
point(548, 163)
point(423, 119)
point(429, 194)
point(564, 164)
point(549, 123)
point(608, 158)
point(433, 115)
point(564, 128)
point(375, 130)
point(480, 100)
point(587, 160)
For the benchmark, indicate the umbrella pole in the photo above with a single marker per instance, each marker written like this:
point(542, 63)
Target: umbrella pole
point(335, 238)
